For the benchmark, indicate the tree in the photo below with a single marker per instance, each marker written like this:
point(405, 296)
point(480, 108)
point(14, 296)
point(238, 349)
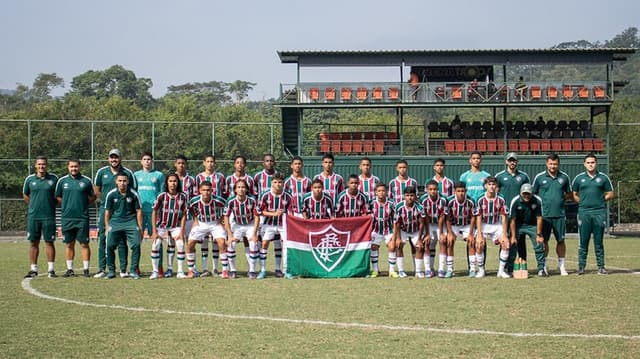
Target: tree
point(44, 83)
point(628, 38)
point(113, 81)
point(240, 89)
point(205, 93)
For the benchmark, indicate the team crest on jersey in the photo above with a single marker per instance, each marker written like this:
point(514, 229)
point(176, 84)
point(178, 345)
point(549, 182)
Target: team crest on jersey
point(154, 180)
point(329, 246)
point(583, 180)
point(544, 182)
point(81, 184)
point(66, 185)
point(534, 206)
point(598, 179)
point(560, 180)
point(50, 182)
point(105, 176)
point(129, 199)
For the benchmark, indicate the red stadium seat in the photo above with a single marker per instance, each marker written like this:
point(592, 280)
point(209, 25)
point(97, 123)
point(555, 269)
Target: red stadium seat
point(598, 92)
point(358, 143)
point(587, 145)
point(459, 146)
point(368, 142)
point(481, 145)
point(330, 94)
point(347, 145)
point(314, 94)
point(361, 94)
point(534, 145)
point(512, 145)
point(376, 94)
point(345, 94)
point(334, 138)
point(552, 93)
point(470, 145)
point(598, 145)
point(492, 146)
point(535, 93)
point(545, 146)
point(393, 94)
point(566, 145)
point(583, 93)
point(576, 144)
point(449, 146)
point(324, 142)
point(500, 144)
point(556, 145)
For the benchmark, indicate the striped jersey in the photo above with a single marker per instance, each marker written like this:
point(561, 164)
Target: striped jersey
point(188, 186)
point(297, 188)
point(434, 208)
point(333, 185)
point(461, 213)
point(351, 205)
point(491, 209)
point(317, 209)
point(244, 212)
point(383, 216)
point(271, 202)
point(218, 184)
point(409, 217)
point(262, 183)
point(231, 181)
point(367, 186)
point(206, 212)
point(397, 186)
point(170, 209)
point(445, 186)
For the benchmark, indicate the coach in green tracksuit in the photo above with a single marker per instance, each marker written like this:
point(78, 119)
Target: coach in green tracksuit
point(592, 189)
point(75, 193)
point(123, 221)
point(525, 217)
point(554, 187)
point(105, 181)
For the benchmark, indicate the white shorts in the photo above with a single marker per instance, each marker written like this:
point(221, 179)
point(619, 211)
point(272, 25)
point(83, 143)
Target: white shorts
point(173, 232)
point(377, 238)
point(187, 226)
point(492, 232)
point(270, 231)
point(461, 231)
point(434, 235)
point(413, 237)
point(199, 232)
point(241, 231)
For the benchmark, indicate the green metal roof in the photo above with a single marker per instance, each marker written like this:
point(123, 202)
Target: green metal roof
point(454, 57)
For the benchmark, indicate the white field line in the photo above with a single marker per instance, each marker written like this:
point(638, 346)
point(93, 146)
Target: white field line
point(26, 285)
point(593, 265)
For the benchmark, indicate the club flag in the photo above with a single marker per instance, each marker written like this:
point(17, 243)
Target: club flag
point(328, 248)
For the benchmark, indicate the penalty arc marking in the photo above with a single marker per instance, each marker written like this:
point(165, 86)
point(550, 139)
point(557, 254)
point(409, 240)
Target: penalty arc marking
point(26, 285)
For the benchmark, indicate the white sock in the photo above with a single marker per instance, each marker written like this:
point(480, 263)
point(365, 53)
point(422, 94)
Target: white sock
point(263, 260)
point(50, 266)
point(247, 253)
point(442, 261)
point(253, 256)
point(561, 262)
point(215, 254)
point(85, 264)
point(191, 261)
point(472, 262)
point(70, 264)
point(171, 252)
point(34, 267)
point(427, 263)
point(480, 260)
point(231, 256)
point(392, 262)
point(504, 256)
point(277, 251)
point(374, 260)
point(180, 255)
point(155, 254)
point(204, 252)
point(400, 262)
point(449, 263)
point(224, 261)
point(419, 264)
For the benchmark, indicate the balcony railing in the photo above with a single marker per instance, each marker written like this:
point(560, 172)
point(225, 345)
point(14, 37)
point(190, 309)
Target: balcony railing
point(443, 92)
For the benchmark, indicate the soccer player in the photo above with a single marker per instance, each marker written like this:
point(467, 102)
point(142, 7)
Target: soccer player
point(218, 189)
point(123, 221)
point(368, 182)
point(474, 177)
point(525, 218)
point(239, 173)
point(206, 211)
point(168, 217)
point(273, 205)
point(74, 193)
point(445, 185)
point(246, 222)
point(262, 184)
point(351, 202)
point(554, 188)
point(592, 189)
point(436, 209)
point(317, 204)
point(39, 193)
point(491, 224)
point(103, 182)
point(409, 223)
point(297, 185)
point(150, 184)
point(401, 182)
point(382, 210)
point(509, 182)
point(461, 222)
point(333, 183)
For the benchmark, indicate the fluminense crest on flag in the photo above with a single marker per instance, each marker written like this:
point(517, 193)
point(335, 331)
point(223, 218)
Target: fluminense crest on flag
point(329, 246)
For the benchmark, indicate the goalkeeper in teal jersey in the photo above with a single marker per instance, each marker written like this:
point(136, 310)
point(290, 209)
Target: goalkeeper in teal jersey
point(150, 185)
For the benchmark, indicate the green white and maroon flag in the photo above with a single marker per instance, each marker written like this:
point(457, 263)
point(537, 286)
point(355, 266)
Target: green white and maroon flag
point(328, 248)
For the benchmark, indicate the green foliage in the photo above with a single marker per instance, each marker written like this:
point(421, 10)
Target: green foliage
point(114, 81)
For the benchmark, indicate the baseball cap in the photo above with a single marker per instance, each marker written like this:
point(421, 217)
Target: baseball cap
point(511, 155)
point(114, 151)
point(526, 188)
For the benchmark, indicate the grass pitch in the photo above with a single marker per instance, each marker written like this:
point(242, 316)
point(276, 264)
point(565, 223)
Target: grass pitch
point(575, 316)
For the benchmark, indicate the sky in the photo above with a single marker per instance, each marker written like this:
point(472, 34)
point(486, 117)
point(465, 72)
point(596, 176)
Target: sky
point(176, 42)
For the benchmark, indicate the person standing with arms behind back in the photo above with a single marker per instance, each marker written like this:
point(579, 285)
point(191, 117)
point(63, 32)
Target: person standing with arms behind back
point(150, 185)
point(39, 193)
point(105, 181)
point(592, 189)
point(474, 177)
point(75, 193)
point(553, 187)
